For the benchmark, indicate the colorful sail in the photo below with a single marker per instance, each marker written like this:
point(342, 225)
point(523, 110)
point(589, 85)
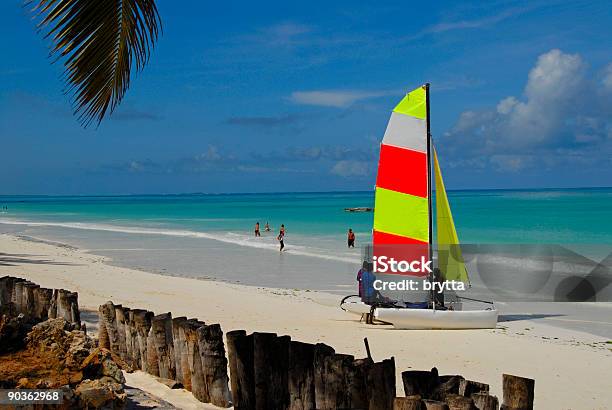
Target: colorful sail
point(450, 259)
point(401, 213)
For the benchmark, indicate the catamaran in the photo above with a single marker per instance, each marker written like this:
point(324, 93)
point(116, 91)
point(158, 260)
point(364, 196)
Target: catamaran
point(403, 228)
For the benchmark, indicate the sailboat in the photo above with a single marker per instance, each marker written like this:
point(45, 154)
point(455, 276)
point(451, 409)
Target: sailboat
point(403, 228)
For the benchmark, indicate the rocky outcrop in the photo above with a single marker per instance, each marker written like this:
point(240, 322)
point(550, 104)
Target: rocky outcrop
point(56, 354)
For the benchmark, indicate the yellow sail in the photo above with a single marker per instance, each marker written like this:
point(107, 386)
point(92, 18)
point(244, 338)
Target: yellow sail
point(450, 259)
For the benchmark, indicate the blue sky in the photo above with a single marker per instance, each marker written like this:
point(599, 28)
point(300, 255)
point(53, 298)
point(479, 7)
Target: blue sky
point(277, 96)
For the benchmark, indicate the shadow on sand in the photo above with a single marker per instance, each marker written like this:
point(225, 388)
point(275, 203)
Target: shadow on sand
point(7, 259)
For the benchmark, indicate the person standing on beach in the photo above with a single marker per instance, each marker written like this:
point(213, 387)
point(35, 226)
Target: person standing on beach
point(351, 238)
point(257, 229)
point(281, 237)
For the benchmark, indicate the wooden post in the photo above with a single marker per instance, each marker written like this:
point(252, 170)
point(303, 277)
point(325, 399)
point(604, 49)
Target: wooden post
point(418, 382)
point(197, 383)
point(435, 405)
point(42, 298)
point(518, 393)
point(18, 296)
point(457, 402)
point(67, 305)
point(483, 401)
point(270, 363)
point(214, 364)
point(469, 387)
point(7, 288)
point(356, 377)
point(449, 384)
point(380, 384)
point(106, 313)
point(240, 354)
point(161, 332)
point(325, 377)
point(120, 324)
point(179, 350)
point(131, 339)
point(301, 376)
point(142, 324)
point(28, 301)
point(408, 403)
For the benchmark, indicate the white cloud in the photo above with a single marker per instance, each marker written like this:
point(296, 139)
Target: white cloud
point(350, 168)
point(559, 119)
point(334, 98)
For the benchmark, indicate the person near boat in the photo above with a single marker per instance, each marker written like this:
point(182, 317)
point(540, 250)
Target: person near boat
point(281, 237)
point(351, 238)
point(257, 233)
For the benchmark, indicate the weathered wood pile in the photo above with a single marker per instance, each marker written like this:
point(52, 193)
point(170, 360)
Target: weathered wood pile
point(273, 372)
point(267, 371)
point(428, 390)
point(20, 296)
point(186, 350)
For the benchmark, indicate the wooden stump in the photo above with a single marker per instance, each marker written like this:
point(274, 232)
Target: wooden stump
point(28, 301)
point(518, 393)
point(179, 350)
point(418, 382)
point(469, 387)
point(120, 324)
point(483, 401)
point(458, 402)
point(301, 376)
point(131, 339)
point(323, 375)
point(197, 383)
point(240, 354)
point(448, 385)
point(18, 292)
point(214, 364)
point(270, 364)
point(7, 287)
point(356, 382)
point(106, 313)
point(161, 332)
point(408, 403)
point(142, 324)
point(42, 297)
point(67, 305)
point(435, 405)
point(380, 384)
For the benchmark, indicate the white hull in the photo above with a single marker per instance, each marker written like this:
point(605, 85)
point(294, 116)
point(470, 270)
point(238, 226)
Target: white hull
point(357, 307)
point(437, 319)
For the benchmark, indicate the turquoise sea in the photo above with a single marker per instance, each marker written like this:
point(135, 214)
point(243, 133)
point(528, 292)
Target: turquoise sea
point(318, 220)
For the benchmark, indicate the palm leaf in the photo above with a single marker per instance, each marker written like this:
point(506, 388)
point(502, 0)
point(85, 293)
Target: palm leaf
point(99, 42)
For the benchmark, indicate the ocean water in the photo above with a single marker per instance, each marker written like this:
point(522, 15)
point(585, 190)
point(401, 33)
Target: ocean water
point(317, 222)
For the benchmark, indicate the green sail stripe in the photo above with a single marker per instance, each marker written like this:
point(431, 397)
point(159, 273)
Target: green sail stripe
point(450, 259)
point(413, 104)
point(401, 214)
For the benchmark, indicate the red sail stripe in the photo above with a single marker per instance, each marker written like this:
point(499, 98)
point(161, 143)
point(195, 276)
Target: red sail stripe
point(401, 248)
point(402, 170)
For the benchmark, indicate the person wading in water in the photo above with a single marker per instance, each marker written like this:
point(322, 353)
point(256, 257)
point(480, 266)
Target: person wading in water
point(351, 238)
point(281, 237)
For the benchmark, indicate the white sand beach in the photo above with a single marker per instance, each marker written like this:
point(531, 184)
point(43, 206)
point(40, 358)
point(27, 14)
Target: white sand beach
point(571, 368)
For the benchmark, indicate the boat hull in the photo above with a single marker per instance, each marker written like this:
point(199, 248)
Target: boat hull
point(437, 319)
point(356, 307)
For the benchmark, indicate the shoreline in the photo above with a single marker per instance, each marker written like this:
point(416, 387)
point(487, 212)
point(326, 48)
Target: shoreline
point(571, 368)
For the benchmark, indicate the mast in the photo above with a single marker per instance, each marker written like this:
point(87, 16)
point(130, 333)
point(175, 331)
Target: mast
point(429, 191)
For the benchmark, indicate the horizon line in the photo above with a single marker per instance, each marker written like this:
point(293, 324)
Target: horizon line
point(287, 192)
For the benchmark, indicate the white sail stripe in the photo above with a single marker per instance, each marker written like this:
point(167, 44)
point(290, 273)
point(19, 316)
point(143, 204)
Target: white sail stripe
point(405, 131)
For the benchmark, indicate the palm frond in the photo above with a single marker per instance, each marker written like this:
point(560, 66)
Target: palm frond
point(99, 41)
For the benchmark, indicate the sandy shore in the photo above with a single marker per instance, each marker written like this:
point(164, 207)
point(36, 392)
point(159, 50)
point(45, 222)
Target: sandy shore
point(571, 368)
